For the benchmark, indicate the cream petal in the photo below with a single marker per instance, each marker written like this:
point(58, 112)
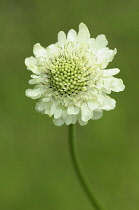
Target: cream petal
point(85, 112)
point(48, 99)
point(74, 119)
point(36, 80)
point(30, 61)
point(39, 51)
point(92, 44)
point(109, 84)
point(108, 103)
point(40, 106)
point(81, 122)
point(83, 34)
point(53, 108)
point(47, 108)
point(33, 93)
point(110, 72)
point(117, 85)
point(101, 41)
point(52, 47)
point(52, 50)
point(72, 34)
point(34, 69)
point(64, 115)
point(58, 122)
point(100, 98)
point(71, 110)
point(76, 109)
point(97, 114)
point(58, 113)
point(104, 56)
point(33, 81)
point(91, 105)
point(61, 38)
point(71, 119)
point(104, 84)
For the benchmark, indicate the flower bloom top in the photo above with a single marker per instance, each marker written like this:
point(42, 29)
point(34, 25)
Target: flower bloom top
point(70, 77)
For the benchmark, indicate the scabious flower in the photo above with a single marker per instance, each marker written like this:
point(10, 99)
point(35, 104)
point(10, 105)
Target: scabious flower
point(71, 78)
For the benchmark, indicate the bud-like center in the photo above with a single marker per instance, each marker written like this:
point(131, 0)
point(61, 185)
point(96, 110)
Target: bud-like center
point(68, 75)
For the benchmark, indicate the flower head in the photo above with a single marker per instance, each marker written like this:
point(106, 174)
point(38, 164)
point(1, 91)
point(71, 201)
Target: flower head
point(71, 78)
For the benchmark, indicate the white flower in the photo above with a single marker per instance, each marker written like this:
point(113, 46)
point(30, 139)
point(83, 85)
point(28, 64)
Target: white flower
point(70, 77)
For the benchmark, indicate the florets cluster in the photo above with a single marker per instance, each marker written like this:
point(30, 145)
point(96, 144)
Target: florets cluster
point(70, 77)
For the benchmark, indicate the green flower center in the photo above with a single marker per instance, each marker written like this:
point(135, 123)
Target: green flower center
point(68, 76)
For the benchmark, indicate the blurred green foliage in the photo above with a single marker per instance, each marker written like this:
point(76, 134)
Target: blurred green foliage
point(35, 167)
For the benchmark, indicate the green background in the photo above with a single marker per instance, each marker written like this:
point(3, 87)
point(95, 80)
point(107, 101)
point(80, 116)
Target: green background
point(35, 167)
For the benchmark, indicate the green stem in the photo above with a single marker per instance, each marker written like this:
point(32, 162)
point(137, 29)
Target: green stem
point(78, 167)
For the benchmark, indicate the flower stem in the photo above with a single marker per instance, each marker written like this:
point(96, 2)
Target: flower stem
point(78, 168)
